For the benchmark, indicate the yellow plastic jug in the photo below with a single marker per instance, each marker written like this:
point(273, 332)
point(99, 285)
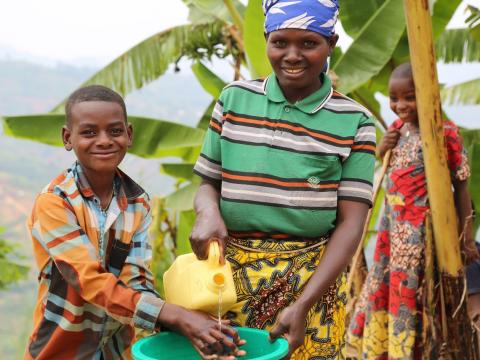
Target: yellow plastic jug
point(200, 284)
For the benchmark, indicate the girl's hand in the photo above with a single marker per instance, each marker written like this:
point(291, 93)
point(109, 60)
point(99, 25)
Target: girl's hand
point(389, 141)
point(211, 340)
point(291, 325)
point(208, 226)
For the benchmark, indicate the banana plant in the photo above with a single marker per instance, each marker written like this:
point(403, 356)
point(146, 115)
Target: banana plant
point(11, 269)
point(233, 32)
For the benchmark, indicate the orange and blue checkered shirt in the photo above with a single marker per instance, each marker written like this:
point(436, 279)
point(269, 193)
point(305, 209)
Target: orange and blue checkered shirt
point(90, 298)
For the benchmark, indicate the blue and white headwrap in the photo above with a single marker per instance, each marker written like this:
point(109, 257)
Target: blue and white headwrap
point(314, 15)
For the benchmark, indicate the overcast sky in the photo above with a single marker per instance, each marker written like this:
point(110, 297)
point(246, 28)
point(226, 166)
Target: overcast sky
point(89, 32)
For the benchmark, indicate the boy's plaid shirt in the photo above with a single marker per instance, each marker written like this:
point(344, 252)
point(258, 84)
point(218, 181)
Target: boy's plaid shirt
point(85, 308)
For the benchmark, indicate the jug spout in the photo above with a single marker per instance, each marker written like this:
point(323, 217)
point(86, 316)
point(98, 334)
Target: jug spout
point(219, 279)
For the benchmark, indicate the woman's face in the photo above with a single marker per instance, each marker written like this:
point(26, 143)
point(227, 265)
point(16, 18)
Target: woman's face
point(298, 57)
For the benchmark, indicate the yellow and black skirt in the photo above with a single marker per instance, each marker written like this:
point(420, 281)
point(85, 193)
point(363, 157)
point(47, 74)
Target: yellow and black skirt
point(270, 275)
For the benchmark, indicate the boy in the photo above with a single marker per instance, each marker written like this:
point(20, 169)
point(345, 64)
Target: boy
point(89, 230)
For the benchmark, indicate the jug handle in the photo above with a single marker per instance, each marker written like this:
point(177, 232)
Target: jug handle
point(213, 253)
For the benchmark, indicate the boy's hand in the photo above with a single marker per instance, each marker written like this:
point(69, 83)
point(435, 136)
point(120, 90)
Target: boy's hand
point(204, 332)
point(208, 226)
point(389, 141)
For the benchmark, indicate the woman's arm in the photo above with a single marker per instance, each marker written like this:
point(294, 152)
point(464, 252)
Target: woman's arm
point(463, 204)
point(209, 223)
point(338, 253)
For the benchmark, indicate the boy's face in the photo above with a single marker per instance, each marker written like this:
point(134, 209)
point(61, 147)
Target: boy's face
point(99, 135)
point(298, 57)
point(402, 99)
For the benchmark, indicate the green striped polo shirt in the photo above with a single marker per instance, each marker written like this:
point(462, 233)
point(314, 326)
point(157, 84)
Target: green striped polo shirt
point(284, 166)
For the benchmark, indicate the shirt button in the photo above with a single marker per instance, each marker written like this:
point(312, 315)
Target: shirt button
point(287, 109)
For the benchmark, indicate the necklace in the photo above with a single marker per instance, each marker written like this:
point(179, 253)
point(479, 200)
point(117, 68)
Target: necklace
point(110, 196)
point(410, 130)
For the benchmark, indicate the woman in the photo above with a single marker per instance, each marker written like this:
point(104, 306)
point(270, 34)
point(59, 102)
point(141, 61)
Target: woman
point(287, 167)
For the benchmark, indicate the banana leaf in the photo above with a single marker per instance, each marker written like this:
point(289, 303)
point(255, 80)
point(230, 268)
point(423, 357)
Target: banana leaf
point(443, 11)
point(372, 48)
point(466, 93)
point(255, 45)
point(457, 45)
point(152, 138)
point(203, 11)
point(353, 16)
point(185, 225)
point(151, 58)
point(207, 114)
point(182, 199)
point(210, 82)
point(181, 171)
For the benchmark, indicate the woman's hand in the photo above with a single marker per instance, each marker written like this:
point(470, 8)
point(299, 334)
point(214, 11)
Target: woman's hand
point(211, 340)
point(290, 324)
point(209, 224)
point(389, 141)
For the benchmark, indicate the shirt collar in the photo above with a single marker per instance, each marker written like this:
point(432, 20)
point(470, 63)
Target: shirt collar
point(310, 105)
point(124, 187)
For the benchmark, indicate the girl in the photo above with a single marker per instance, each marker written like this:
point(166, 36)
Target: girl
point(387, 319)
point(287, 167)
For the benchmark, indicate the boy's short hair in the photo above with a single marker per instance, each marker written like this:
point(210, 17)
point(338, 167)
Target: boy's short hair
point(93, 93)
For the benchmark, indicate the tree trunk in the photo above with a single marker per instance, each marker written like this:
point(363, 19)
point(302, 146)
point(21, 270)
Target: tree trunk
point(458, 344)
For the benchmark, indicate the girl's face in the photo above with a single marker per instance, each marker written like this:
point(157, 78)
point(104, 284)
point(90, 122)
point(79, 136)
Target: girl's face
point(298, 57)
point(402, 99)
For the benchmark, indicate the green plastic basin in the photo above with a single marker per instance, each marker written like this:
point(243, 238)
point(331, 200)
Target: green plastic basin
point(171, 346)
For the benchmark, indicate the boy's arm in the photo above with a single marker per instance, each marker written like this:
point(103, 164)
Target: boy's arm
point(136, 270)
point(463, 204)
point(55, 227)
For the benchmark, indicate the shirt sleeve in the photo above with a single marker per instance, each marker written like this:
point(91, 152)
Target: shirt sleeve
point(356, 183)
point(456, 152)
point(209, 163)
point(136, 274)
point(55, 227)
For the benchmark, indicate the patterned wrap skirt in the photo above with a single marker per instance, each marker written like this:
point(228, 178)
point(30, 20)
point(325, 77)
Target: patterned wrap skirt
point(270, 275)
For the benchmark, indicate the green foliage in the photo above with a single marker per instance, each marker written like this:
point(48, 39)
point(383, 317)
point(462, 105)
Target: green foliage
point(162, 233)
point(151, 58)
point(353, 16)
point(464, 93)
point(11, 271)
point(255, 45)
point(210, 82)
point(182, 171)
point(442, 13)
point(227, 28)
point(205, 119)
point(182, 199)
point(205, 11)
point(457, 45)
point(185, 225)
point(153, 138)
point(372, 47)
point(473, 22)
